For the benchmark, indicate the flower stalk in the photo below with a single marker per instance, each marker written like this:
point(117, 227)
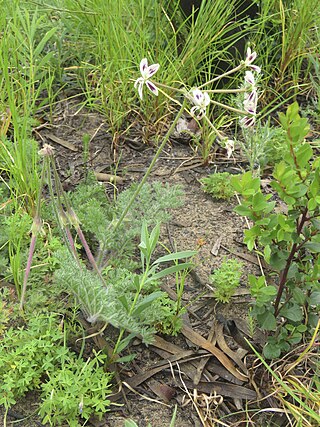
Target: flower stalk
point(148, 171)
point(36, 227)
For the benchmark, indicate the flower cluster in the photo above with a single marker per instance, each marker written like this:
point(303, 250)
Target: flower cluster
point(250, 99)
point(200, 100)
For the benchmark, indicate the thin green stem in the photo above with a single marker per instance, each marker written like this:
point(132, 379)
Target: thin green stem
point(218, 133)
point(170, 87)
point(36, 226)
point(242, 90)
point(155, 158)
point(227, 73)
point(235, 110)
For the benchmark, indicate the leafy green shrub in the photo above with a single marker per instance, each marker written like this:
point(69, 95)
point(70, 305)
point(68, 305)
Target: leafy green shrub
point(289, 239)
point(122, 297)
point(35, 357)
point(218, 185)
point(5, 310)
point(77, 389)
point(97, 215)
point(25, 355)
point(274, 145)
point(262, 145)
point(129, 301)
point(226, 279)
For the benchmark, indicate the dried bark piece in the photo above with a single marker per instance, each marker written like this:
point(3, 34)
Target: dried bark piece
point(198, 339)
point(216, 247)
point(224, 347)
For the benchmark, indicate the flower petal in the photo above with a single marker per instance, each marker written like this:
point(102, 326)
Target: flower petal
point(251, 56)
point(152, 70)
point(253, 97)
point(143, 66)
point(194, 109)
point(250, 102)
point(229, 147)
point(206, 100)
point(249, 78)
point(140, 88)
point(151, 86)
point(200, 114)
point(137, 82)
point(255, 68)
point(248, 121)
point(249, 107)
point(199, 98)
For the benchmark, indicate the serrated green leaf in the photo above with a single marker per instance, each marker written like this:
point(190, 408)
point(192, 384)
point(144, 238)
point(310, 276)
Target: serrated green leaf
point(292, 111)
point(280, 235)
point(295, 338)
point(314, 298)
point(278, 262)
point(236, 183)
point(301, 328)
point(258, 202)
point(267, 253)
point(312, 247)
point(269, 290)
point(315, 185)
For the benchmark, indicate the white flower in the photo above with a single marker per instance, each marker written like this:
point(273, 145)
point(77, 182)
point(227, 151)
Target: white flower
point(229, 146)
point(200, 100)
point(249, 78)
point(248, 122)
point(250, 102)
point(250, 57)
point(146, 73)
point(250, 106)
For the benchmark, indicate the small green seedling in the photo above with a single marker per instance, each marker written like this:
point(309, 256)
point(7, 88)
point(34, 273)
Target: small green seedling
point(218, 185)
point(226, 279)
